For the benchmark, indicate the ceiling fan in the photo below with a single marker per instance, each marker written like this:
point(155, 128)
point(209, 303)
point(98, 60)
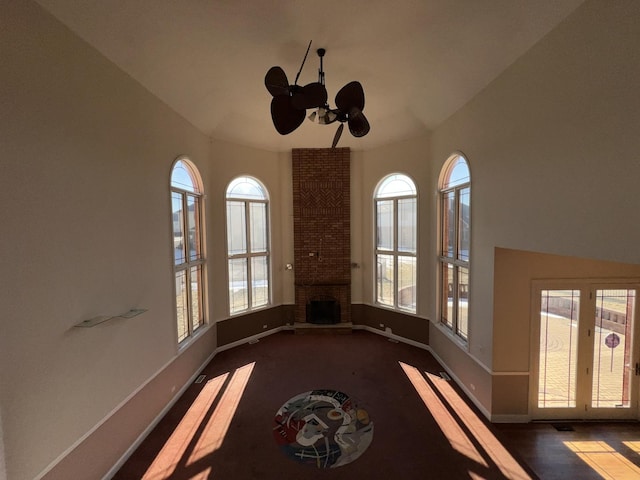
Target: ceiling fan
point(290, 102)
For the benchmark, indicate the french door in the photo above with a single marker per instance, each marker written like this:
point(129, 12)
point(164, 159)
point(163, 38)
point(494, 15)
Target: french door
point(585, 352)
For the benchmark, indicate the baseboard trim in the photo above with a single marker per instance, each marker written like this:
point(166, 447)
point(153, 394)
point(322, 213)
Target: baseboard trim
point(253, 338)
point(510, 418)
point(464, 388)
point(392, 336)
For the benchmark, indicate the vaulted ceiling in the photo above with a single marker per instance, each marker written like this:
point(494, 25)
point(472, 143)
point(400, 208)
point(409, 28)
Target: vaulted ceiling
point(418, 60)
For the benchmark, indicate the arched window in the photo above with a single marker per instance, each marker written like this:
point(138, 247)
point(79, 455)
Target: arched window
point(189, 258)
point(455, 244)
point(396, 226)
point(247, 245)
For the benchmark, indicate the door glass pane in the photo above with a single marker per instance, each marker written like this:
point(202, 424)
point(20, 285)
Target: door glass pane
point(612, 348)
point(238, 286)
point(181, 305)
point(385, 275)
point(407, 225)
point(193, 227)
point(448, 224)
point(259, 282)
point(258, 217)
point(558, 348)
point(463, 302)
point(178, 233)
point(407, 283)
point(196, 297)
point(384, 223)
point(464, 228)
point(446, 296)
point(236, 228)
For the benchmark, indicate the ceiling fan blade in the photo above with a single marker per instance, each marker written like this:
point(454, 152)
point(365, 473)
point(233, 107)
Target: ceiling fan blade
point(337, 135)
point(349, 96)
point(358, 123)
point(312, 95)
point(276, 81)
point(285, 117)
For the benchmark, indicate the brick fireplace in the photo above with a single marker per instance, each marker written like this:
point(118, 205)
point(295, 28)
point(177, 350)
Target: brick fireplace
point(322, 239)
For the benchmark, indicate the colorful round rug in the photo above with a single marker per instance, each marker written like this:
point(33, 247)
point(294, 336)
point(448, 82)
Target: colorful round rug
point(323, 428)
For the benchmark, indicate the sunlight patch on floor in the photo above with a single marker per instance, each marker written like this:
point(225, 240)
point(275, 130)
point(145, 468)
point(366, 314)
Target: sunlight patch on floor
point(498, 453)
point(166, 461)
point(454, 433)
point(604, 459)
point(441, 396)
point(216, 429)
point(635, 446)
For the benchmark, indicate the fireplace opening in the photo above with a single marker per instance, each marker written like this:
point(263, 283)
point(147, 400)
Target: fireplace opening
point(323, 312)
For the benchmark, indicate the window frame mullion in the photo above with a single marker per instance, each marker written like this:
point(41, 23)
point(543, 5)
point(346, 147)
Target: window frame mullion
point(395, 253)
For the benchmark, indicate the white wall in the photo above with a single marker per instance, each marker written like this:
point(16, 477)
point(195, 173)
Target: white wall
point(553, 147)
point(86, 157)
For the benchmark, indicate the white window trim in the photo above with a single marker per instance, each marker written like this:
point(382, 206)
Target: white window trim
point(444, 260)
point(247, 203)
point(188, 264)
point(395, 252)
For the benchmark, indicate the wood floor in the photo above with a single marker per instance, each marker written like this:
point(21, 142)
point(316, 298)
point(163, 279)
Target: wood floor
point(423, 426)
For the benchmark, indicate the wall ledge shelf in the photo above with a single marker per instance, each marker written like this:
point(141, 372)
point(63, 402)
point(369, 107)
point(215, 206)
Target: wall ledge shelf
point(92, 322)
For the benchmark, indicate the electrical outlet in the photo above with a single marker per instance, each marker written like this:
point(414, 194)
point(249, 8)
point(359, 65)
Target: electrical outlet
point(382, 325)
point(264, 326)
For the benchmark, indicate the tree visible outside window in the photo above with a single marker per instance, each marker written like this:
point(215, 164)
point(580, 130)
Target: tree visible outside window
point(247, 245)
point(455, 243)
point(396, 223)
point(188, 252)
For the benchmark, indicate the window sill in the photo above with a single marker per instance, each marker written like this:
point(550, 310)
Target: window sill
point(187, 342)
point(455, 339)
point(395, 309)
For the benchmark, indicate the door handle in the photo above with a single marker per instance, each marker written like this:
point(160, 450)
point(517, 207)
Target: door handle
point(637, 368)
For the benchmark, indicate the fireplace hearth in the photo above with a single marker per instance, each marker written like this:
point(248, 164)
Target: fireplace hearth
point(323, 311)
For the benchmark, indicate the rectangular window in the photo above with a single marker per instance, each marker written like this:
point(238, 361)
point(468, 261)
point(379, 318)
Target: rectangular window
point(612, 346)
point(238, 285)
point(463, 301)
point(407, 283)
point(236, 228)
point(448, 224)
point(195, 278)
point(258, 217)
point(182, 305)
point(407, 228)
point(193, 227)
point(259, 281)
point(385, 276)
point(385, 225)
point(179, 244)
point(446, 307)
point(464, 227)
point(559, 318)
